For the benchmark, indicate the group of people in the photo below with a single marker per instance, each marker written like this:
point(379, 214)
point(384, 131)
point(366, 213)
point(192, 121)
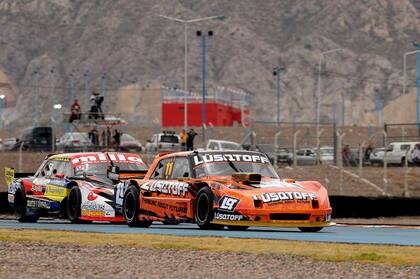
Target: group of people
point(106, 138)
point(187, 139)
point(95, 111)
point(350, 160)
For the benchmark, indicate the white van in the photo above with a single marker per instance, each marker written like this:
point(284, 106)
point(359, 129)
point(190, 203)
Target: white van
point(396, 152)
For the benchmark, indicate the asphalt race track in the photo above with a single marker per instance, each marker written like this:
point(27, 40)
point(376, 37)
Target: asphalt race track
point(339, 233)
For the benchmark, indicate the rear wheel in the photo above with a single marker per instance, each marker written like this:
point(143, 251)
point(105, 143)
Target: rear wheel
point(131, 208)
point(204, 213)
point(310, 229)
point(238, 228)
point(20, 209)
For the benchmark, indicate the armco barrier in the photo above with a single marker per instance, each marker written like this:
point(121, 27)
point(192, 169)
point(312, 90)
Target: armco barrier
point(343, 206)
point(373, 207)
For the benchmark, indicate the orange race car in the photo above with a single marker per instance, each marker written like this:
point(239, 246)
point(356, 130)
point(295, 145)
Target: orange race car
point(214, 189)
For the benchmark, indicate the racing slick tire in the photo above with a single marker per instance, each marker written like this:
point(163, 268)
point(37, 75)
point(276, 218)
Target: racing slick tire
point(310, 229)
point(237, 228)
point(131, 208)
point(204, 213)
point(74, 200)
point(20, 209)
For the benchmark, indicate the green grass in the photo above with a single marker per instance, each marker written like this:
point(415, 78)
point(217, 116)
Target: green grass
point(384, 254)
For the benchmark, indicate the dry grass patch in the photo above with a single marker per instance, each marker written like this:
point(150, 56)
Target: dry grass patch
point(387, 254)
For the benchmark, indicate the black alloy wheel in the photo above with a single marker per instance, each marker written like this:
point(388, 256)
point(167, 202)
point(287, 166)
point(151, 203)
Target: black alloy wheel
point(131, 208)
point(20, 208)
point(204, 213)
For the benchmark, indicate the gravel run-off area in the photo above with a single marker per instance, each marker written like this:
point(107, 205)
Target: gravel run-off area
point(32, 260)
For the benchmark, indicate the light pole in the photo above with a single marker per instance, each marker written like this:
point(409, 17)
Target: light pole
point(202, 36)
point(277, 74)
point(318, 97)
point(2, 99)
point(417, 78)
point(186, 22)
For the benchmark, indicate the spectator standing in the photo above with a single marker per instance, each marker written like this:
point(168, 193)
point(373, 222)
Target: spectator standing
point(346, 152)
point(190, 139)
point(183, 137)
point(117, 138)
point(94, 137)
point(96, 106)
point(75, 111)
point(415, 154)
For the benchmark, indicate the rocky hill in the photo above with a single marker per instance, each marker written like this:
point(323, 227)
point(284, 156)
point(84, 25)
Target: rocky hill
point(128, 42)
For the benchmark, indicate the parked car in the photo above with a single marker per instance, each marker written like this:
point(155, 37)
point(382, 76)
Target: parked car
point(326, 154)
point(129, 143)
point(9, 143)
point(74, 141)
point(306, 156)
point(35, 139)
point(221, 145)
point(284, 156)
point(377, 157)
point(395, 153)
point(166, 141)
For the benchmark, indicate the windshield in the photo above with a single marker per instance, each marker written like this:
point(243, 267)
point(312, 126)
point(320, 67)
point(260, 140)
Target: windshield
point(101, 168)
point(169, 138)
point(80, 136)
point(230, 146)
point(224, 164)
point(127, 137)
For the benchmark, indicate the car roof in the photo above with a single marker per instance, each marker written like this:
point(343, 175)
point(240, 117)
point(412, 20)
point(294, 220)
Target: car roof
point(223, 141)
point(72, 156)
point(201, 152)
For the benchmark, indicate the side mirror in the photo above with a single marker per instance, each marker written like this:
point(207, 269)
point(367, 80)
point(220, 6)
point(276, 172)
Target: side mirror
point(113, 173)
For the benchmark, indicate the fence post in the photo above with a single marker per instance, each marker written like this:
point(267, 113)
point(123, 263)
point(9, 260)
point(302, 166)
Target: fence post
point(276, 147)
point(294, 148)
point(385, 174)
point(406, 171)
point(318, 143)
point(335, 143)
point(361, 158)
point(340, 165)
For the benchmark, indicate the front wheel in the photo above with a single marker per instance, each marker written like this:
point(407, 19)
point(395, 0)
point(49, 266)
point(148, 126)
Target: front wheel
point(20, 208)
point(310, 229)
point(74, 202)
point(204, 213)
point(131, 208)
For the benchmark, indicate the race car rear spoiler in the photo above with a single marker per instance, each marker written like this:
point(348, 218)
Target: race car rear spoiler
point(10, 175)
point(114, 173)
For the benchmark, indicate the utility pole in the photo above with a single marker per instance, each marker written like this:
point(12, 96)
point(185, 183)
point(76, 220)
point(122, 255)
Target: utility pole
point(186, 22)
point(417, 84)
point(36, 74)
point(86, 90)
point(277, 74)
point(202, 36)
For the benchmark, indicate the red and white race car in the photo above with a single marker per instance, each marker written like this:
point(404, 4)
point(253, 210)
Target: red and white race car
point(75, 186)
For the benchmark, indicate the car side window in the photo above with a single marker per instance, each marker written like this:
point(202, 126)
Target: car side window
point(163, 169)
point(65, 168)
point(180, 168)
point(49, 168)
point(300, 152)
point(405, 147)
point(213, 146)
